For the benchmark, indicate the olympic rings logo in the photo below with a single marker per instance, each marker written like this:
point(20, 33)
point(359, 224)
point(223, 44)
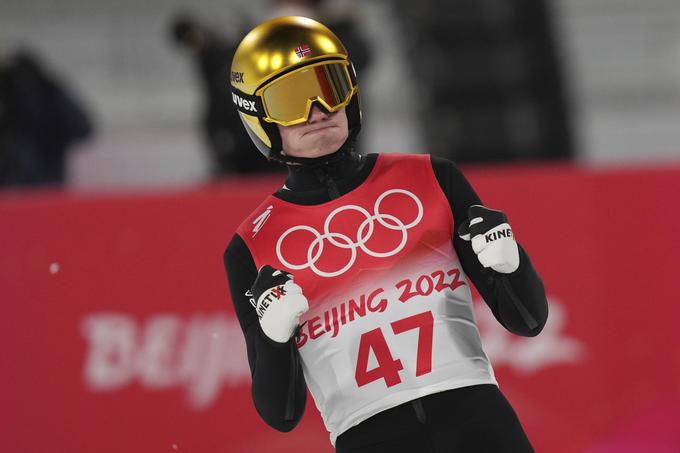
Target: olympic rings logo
point(363, 234)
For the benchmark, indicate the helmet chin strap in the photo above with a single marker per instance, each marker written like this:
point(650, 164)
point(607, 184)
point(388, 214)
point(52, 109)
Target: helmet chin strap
point(346, 149)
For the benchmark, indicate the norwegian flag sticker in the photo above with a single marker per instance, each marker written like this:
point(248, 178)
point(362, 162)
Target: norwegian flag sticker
point(303, 51)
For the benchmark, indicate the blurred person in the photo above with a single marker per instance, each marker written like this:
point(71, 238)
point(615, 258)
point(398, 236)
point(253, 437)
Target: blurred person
point(493, 69)
point(229, 145)
point(40, 120)
point(353, 278)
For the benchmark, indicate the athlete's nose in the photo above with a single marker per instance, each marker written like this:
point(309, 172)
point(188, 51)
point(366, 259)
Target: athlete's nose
point(316, 115)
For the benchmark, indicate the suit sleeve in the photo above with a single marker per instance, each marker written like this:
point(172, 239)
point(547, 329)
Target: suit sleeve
point(517, 300)
point(278, 385)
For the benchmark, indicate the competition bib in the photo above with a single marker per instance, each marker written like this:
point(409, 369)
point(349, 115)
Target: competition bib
point(390, 316)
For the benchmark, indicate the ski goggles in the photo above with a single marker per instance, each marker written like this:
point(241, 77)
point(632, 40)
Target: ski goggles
point(288, 99)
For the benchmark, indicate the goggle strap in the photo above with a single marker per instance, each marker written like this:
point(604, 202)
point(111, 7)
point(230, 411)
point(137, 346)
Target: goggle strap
point(246, 103)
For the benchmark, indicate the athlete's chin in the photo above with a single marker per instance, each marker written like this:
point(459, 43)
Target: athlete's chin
point(320, 152)
point(322, 146)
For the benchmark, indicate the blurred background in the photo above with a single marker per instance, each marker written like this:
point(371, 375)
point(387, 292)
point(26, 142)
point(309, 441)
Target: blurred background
point(124, 171)
point(594, 81)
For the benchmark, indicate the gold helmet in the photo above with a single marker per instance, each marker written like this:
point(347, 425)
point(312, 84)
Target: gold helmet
point(280, 69)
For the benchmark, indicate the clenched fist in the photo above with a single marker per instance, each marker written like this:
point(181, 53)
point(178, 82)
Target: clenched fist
point(492, 239)
point(279, 303)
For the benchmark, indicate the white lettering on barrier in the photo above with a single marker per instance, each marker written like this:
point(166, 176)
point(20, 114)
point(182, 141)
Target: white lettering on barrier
point(552, 347)
point(201, 353)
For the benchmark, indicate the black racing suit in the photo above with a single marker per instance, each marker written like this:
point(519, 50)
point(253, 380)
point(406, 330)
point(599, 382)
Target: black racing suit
point(469, 419)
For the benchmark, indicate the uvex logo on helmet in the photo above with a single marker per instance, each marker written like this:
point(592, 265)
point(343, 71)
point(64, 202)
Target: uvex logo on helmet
point(236, 77)
point(243, 103)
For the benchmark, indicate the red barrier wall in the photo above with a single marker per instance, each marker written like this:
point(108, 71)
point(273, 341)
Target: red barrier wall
point(118, 335)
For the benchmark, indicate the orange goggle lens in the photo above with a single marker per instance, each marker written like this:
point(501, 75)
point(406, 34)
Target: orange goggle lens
point(288, 100)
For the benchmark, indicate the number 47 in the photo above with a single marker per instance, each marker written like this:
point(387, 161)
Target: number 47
point(388, 367)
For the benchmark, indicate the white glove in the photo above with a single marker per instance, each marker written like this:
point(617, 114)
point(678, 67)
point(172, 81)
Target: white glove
point(279, 303)
point(492, 239)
